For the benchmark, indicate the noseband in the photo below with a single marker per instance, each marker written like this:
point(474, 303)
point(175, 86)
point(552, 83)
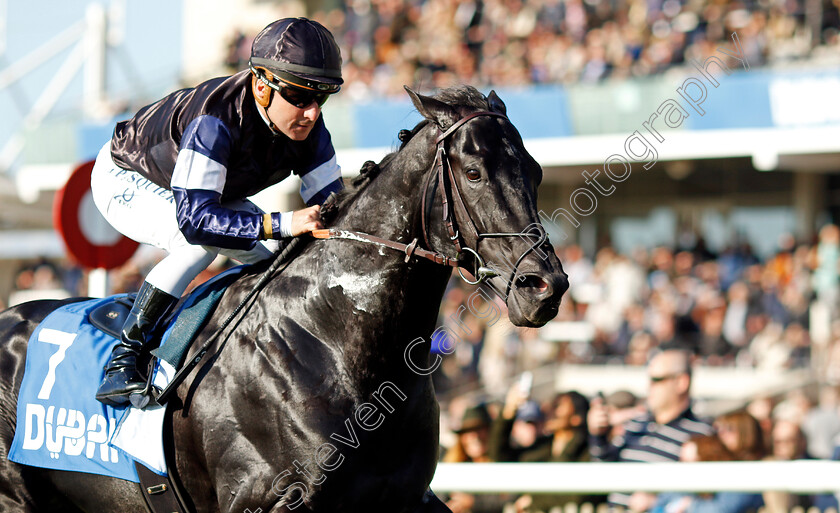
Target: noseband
point(443, 178)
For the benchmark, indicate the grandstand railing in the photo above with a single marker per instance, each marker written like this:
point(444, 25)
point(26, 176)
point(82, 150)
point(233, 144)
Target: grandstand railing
point(801, 477)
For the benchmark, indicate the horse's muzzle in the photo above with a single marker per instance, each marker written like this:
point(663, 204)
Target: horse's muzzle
point(535, 298)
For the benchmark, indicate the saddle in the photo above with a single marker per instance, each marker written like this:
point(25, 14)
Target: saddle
point(110, 317)
point(98, 322)
point(160, 493)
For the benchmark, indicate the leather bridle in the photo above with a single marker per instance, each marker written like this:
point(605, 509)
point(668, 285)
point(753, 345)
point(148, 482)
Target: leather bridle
point(442, 177)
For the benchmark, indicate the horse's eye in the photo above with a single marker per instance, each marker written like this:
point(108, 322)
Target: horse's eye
point(473, 175)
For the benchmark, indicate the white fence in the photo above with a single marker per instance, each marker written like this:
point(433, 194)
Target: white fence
point(806, 477)
point(604, 508)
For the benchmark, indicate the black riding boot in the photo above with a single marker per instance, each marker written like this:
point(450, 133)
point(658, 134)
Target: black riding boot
point(122, 377)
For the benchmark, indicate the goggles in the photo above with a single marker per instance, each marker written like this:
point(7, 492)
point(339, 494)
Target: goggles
point(297, 96)
point(301, 98)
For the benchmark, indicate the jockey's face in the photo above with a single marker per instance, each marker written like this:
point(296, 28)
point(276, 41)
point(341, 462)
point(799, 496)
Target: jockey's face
point(296, 123)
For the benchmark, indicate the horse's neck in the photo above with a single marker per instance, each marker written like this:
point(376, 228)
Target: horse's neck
point(393, 302)
point(389, 207)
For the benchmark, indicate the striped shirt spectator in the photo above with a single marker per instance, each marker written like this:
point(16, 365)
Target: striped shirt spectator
point(657, 435)
point(645, 440)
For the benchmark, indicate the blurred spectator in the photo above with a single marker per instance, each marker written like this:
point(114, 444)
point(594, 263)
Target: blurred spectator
point(519, 425)
point(40, 281)
point(238, 51)
point(576, 265)
point(622, 406)
point(769, 348)
point(791, 443)
point(788, 444)
point(642, 345)
point(467, 336)
point(821, 425)
point(659, 434)
point(528, 426)
point(742, 435)
point(761, 409)
point(126, 279)
point(472, 446)
point(566, 441)
point(793, 407)
point(711, 343)
point(735, 318)
point(707, 448)
point(826, 280)
point(472, 434)
point(495, 363)
point(566, 428)
point(633, 323)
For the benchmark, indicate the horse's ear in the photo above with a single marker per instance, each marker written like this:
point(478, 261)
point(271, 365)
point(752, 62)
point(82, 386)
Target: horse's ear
point(433, 110)
point(496, 103)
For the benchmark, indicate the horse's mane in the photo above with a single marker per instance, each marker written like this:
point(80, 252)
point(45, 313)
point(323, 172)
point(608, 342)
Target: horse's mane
point(463, 96)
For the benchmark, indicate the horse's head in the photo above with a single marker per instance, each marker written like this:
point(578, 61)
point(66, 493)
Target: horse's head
point(480, 201)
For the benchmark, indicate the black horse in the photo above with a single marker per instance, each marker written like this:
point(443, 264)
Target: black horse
point(308, 402)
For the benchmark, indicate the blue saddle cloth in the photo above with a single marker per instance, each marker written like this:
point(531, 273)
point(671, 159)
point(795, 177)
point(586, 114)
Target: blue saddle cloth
point(60, 424)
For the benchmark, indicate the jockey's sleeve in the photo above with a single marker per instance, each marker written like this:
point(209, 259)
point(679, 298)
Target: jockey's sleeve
point(324, 176)
point(197, 184)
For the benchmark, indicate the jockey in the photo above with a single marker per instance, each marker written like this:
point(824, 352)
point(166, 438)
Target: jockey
point(178, 173)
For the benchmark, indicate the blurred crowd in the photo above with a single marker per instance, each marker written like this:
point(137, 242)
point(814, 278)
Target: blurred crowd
point(661, 427)
point(62, 278)
point(439, 43)
point(730, 309)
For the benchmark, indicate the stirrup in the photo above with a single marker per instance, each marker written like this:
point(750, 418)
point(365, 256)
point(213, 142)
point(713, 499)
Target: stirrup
point(150, 393)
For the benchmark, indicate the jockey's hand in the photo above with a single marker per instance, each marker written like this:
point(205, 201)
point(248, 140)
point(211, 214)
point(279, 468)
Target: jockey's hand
point(306, 220)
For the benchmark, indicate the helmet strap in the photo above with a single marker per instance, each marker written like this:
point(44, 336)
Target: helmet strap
point(265, 103)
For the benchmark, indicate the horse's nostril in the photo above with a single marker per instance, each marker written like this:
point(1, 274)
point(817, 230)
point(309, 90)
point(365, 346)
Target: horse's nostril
point(534, 282)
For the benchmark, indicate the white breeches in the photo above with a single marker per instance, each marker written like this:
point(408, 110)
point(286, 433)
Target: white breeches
point(142, 211)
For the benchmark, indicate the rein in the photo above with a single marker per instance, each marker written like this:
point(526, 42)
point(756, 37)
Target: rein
point(410, 249)
point(281, 261)
point(451, 199)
